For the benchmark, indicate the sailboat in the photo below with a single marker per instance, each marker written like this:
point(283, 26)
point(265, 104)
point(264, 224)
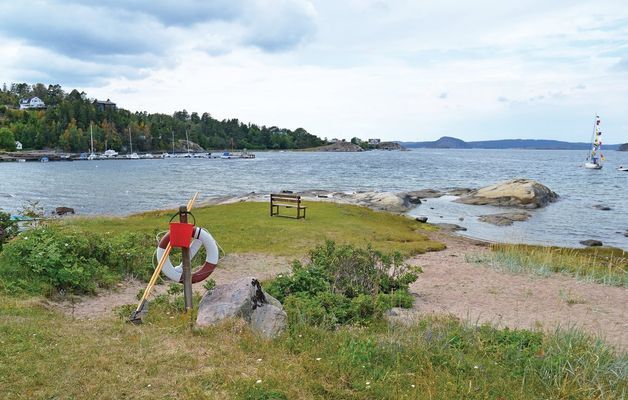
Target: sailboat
point(92, 155)
point(595, 156)
point(133, 156)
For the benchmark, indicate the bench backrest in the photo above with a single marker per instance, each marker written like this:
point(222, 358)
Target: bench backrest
point(293, 198)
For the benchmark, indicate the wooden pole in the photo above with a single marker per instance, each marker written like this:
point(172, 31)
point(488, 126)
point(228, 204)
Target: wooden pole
point(187, 265)
point(157, 271)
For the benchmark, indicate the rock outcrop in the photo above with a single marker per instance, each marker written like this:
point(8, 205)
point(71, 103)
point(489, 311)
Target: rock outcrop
point(524, 193)
point(390, 146)
point(384, 201)
point(187, 145)
point(244, 299)
point(505, 219)
point(345, 147)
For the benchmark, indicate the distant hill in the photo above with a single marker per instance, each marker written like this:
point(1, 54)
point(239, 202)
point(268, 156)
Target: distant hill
point(623, 147)
point(447, 142)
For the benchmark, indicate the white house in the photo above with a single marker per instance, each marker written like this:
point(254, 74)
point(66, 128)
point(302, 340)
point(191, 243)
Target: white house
point(374, 141)
point(18, 145)
point(35, 102)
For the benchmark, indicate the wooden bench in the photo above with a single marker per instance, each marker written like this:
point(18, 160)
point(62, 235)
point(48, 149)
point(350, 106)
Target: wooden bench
point(287, 201)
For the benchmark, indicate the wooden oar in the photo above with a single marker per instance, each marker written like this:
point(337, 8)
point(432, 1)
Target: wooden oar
point(153, 279)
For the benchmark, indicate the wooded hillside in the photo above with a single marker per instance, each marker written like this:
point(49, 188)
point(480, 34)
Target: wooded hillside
point(65, 124)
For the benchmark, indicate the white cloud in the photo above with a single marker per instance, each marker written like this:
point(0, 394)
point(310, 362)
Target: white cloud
point(398, 70)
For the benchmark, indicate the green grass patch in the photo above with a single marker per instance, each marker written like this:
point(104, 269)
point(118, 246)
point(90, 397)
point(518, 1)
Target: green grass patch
point(80, 255)
point(247, 227)
point(44, 354)
point(604, 265)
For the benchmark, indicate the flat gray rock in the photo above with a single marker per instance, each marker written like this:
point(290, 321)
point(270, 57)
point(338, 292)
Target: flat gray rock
point(451, 227)
point(523, 193)
point(505, 219)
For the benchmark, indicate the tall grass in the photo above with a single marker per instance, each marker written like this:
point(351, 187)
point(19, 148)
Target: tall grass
point(608, 266)
point(47, 355)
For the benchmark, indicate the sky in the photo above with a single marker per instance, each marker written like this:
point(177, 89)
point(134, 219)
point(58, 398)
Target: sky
point(395, 70)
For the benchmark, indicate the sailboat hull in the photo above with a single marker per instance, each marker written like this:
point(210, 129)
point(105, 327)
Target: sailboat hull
point(592, 166)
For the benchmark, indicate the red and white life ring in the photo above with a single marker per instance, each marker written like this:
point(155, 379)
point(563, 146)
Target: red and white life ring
point(200, 238)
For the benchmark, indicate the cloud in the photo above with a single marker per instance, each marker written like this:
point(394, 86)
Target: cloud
point(149, 34)
point(503, 99)
point(277, 25)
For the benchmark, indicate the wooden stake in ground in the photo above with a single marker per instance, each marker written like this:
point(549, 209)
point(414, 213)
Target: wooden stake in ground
point(187, 265)
point(153, 279)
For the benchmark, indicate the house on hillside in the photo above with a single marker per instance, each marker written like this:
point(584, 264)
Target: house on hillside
point(374, 142)
point(18, 145)
point(104, 105)
point(33, 103)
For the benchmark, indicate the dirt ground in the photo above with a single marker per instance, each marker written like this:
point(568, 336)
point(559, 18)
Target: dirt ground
point(476, 293)
point(448, 285)
point(231, 267)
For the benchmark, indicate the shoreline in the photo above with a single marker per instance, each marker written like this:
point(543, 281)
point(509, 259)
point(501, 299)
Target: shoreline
point(400, 203)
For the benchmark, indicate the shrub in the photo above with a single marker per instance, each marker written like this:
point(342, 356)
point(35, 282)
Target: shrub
point(8, 228)
point(47, 260)
point(342, 285)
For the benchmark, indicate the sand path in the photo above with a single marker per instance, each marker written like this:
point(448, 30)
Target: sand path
point(477, 293)
point(231, 267)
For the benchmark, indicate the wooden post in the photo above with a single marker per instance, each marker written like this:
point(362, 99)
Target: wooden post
point(187, 265)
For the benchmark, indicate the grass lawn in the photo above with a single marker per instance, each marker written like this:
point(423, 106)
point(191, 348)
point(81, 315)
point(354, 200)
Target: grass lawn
point(247, 227)
point(46, 355)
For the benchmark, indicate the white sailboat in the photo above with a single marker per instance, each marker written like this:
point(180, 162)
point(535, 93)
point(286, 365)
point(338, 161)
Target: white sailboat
point(92, 156)
point(595, 157)
point(132, 156)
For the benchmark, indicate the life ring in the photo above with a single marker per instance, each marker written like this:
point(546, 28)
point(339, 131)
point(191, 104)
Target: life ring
point(200, 238)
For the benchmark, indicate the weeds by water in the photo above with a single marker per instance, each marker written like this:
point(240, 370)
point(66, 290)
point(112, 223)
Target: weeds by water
point(608, 266)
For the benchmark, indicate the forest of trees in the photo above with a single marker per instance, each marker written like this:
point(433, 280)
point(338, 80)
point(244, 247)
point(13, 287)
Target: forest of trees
point(65, 124)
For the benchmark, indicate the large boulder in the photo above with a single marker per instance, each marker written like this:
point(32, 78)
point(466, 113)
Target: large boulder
point(244, 299)
point(384, 201)
point(524, 193)
point(505, 219)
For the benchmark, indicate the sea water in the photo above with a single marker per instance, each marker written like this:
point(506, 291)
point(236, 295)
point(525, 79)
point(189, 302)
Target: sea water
point(122, 187)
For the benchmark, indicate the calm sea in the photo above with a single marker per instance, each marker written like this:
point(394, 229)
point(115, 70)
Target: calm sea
point(123, 187)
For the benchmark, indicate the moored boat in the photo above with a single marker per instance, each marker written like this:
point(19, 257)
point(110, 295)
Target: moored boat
point(595, 157)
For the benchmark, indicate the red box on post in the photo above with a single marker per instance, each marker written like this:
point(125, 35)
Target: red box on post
point(181, 234)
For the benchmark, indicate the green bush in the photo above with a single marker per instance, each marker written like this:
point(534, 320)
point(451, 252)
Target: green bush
point(343, 285)
point(47, 260)
point(8, 228)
